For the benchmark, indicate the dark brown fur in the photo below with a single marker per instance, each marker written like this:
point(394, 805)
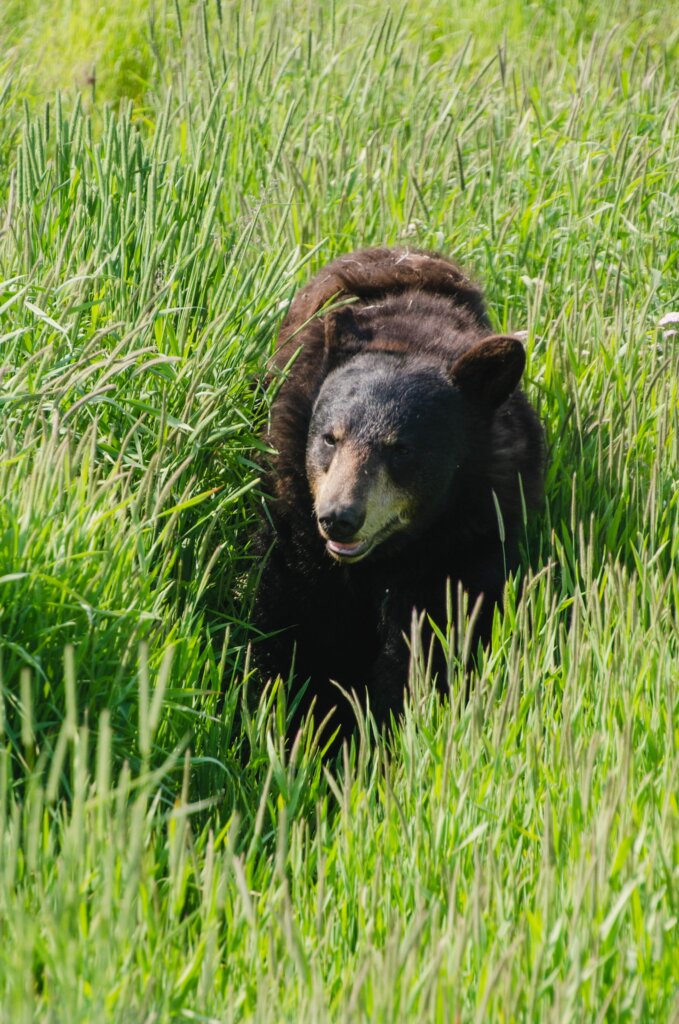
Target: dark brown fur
point(347, 622)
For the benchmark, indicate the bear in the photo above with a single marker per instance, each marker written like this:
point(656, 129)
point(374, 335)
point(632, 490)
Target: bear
point(404, 456)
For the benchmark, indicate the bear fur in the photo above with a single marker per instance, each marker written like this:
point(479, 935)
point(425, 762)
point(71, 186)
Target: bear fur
point(399, 431)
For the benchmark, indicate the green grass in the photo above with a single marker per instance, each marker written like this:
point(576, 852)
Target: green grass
point(163, 857)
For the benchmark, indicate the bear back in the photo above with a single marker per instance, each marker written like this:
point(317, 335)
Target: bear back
point(371, 275)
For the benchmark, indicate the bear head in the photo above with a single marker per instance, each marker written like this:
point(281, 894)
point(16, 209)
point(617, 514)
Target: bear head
point(391, 432)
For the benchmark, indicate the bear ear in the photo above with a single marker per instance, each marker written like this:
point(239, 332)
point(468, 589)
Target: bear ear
point(344, 337)
point(491, 369)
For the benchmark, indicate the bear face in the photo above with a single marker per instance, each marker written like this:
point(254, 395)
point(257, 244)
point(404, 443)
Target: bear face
point(387, 436)
point(406, 456)
point(384, 444)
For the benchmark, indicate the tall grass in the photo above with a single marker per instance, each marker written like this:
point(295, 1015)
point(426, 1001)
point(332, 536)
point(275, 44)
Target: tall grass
point(163, 856)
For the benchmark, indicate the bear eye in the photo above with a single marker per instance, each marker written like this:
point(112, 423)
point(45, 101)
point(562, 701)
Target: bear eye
point(330, 440)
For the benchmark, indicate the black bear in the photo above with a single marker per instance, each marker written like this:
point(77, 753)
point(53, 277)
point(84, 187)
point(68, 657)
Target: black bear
point(404, 455)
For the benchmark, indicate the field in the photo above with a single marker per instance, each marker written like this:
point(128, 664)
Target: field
point(169, 175)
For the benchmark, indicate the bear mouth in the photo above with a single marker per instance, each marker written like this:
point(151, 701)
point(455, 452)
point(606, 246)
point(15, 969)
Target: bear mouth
point(349, 552)
point(358, 549)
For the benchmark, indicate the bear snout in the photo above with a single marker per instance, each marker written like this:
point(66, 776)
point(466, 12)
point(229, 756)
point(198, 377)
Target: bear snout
point(341, 522)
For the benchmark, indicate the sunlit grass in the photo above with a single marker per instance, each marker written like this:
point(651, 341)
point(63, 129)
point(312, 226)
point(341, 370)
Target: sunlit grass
point(162, 855)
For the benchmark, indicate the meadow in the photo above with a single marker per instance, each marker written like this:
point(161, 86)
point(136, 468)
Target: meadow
point(169, 174)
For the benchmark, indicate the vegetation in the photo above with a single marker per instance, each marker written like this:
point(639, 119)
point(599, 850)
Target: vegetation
point(163, 856)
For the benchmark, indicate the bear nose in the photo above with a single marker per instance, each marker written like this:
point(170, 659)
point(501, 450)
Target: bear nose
point(341, 523)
